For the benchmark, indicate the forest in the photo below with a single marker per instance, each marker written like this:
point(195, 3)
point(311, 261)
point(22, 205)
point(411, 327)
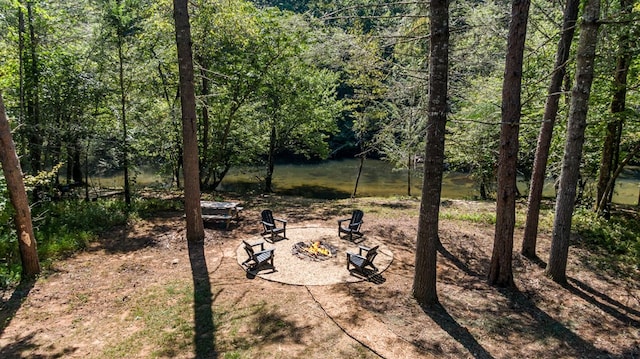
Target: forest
point(538, 90)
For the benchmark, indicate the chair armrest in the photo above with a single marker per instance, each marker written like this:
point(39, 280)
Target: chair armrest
point(261, 244)
point(267, 224)
point(363, 249)
point(340, 221)
point(283, 221)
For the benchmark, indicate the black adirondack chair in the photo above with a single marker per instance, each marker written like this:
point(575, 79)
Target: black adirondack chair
point(270, 225)
point(258, 258)
point(353, 227)
point(363, 259)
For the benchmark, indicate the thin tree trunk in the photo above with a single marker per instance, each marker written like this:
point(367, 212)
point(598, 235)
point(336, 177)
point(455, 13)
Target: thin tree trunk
point(206, 161)
point(612, 181)
point(424, 282)
point(193, 211)
point(76, 172)
point(546, 130)
point(123, 115)
point(570, 173)
point(171, 104)
point(268, 185)
point(409, 164)
point(33, 98)
point(21, 31)
point(611, 146)
point(18, 196)
point(360, 167)
point(500, 270)
point(606, 160)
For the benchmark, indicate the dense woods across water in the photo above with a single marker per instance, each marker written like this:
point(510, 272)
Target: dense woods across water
point(92, 88)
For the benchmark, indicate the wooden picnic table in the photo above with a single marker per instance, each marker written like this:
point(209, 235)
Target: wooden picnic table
point(220, 211)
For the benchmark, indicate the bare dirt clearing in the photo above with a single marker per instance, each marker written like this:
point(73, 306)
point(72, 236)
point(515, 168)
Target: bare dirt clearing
point(141, 292)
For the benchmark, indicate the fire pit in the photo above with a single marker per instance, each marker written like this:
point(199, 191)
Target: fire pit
point(315, 250)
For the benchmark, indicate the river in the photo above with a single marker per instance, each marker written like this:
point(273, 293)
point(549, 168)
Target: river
point(336, 179)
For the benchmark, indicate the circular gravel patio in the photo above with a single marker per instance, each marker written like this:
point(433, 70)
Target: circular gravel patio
point(291, 269)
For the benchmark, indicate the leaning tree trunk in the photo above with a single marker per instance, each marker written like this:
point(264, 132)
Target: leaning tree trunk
point(193, 211)
point(546, 130)
point(18, 196)
point(570, 173)
point(500, 270)
point(424, 281)
point(363, 156)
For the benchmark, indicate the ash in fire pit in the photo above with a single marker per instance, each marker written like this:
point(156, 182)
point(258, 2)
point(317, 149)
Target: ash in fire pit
point(314, 250)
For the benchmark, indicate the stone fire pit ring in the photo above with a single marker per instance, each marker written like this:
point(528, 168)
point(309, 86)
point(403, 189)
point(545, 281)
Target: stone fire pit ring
point(292, 269)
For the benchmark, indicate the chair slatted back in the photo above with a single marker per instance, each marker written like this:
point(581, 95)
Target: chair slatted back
point(267, 216)
point(356, 219)
point(371, 254)
point(249, 249)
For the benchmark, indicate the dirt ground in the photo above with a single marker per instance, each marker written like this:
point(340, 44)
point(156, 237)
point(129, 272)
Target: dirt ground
point(99, 303)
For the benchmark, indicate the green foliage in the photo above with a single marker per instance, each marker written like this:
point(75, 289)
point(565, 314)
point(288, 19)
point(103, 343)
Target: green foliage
point(256, 76)
point(475, 217)
point(63, 228)
point(615, 243)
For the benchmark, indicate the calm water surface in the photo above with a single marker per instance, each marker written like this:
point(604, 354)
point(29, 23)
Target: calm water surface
point(336, 179)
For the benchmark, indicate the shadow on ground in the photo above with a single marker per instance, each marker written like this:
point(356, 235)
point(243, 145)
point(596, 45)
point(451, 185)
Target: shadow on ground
point(202, 301)
point(25, 344)
point(461, 334)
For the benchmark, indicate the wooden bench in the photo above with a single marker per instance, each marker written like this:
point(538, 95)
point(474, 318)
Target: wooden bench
point(220, 211)
point(218, 217)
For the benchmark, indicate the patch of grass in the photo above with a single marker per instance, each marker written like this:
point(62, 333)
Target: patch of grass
point(474, 217)
point(66, 227)
point(165, 324)
point(148, 206)
point(614, 243)
point(232, 355)
point(231, 336)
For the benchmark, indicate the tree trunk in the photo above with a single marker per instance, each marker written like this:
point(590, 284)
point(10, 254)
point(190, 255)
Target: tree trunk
point(123, 118)
point(21, 31)
point(546, 130)
point(570, 173)
point(409, 164)
point(612, 181)
point(76, 171)
point(363, 156)
point(33, 98)
point(206, 159)
point(611, 146)
point(268, 185)
point(193, 211)
point(500, 270)
point(424, 282)
point(18, 196)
